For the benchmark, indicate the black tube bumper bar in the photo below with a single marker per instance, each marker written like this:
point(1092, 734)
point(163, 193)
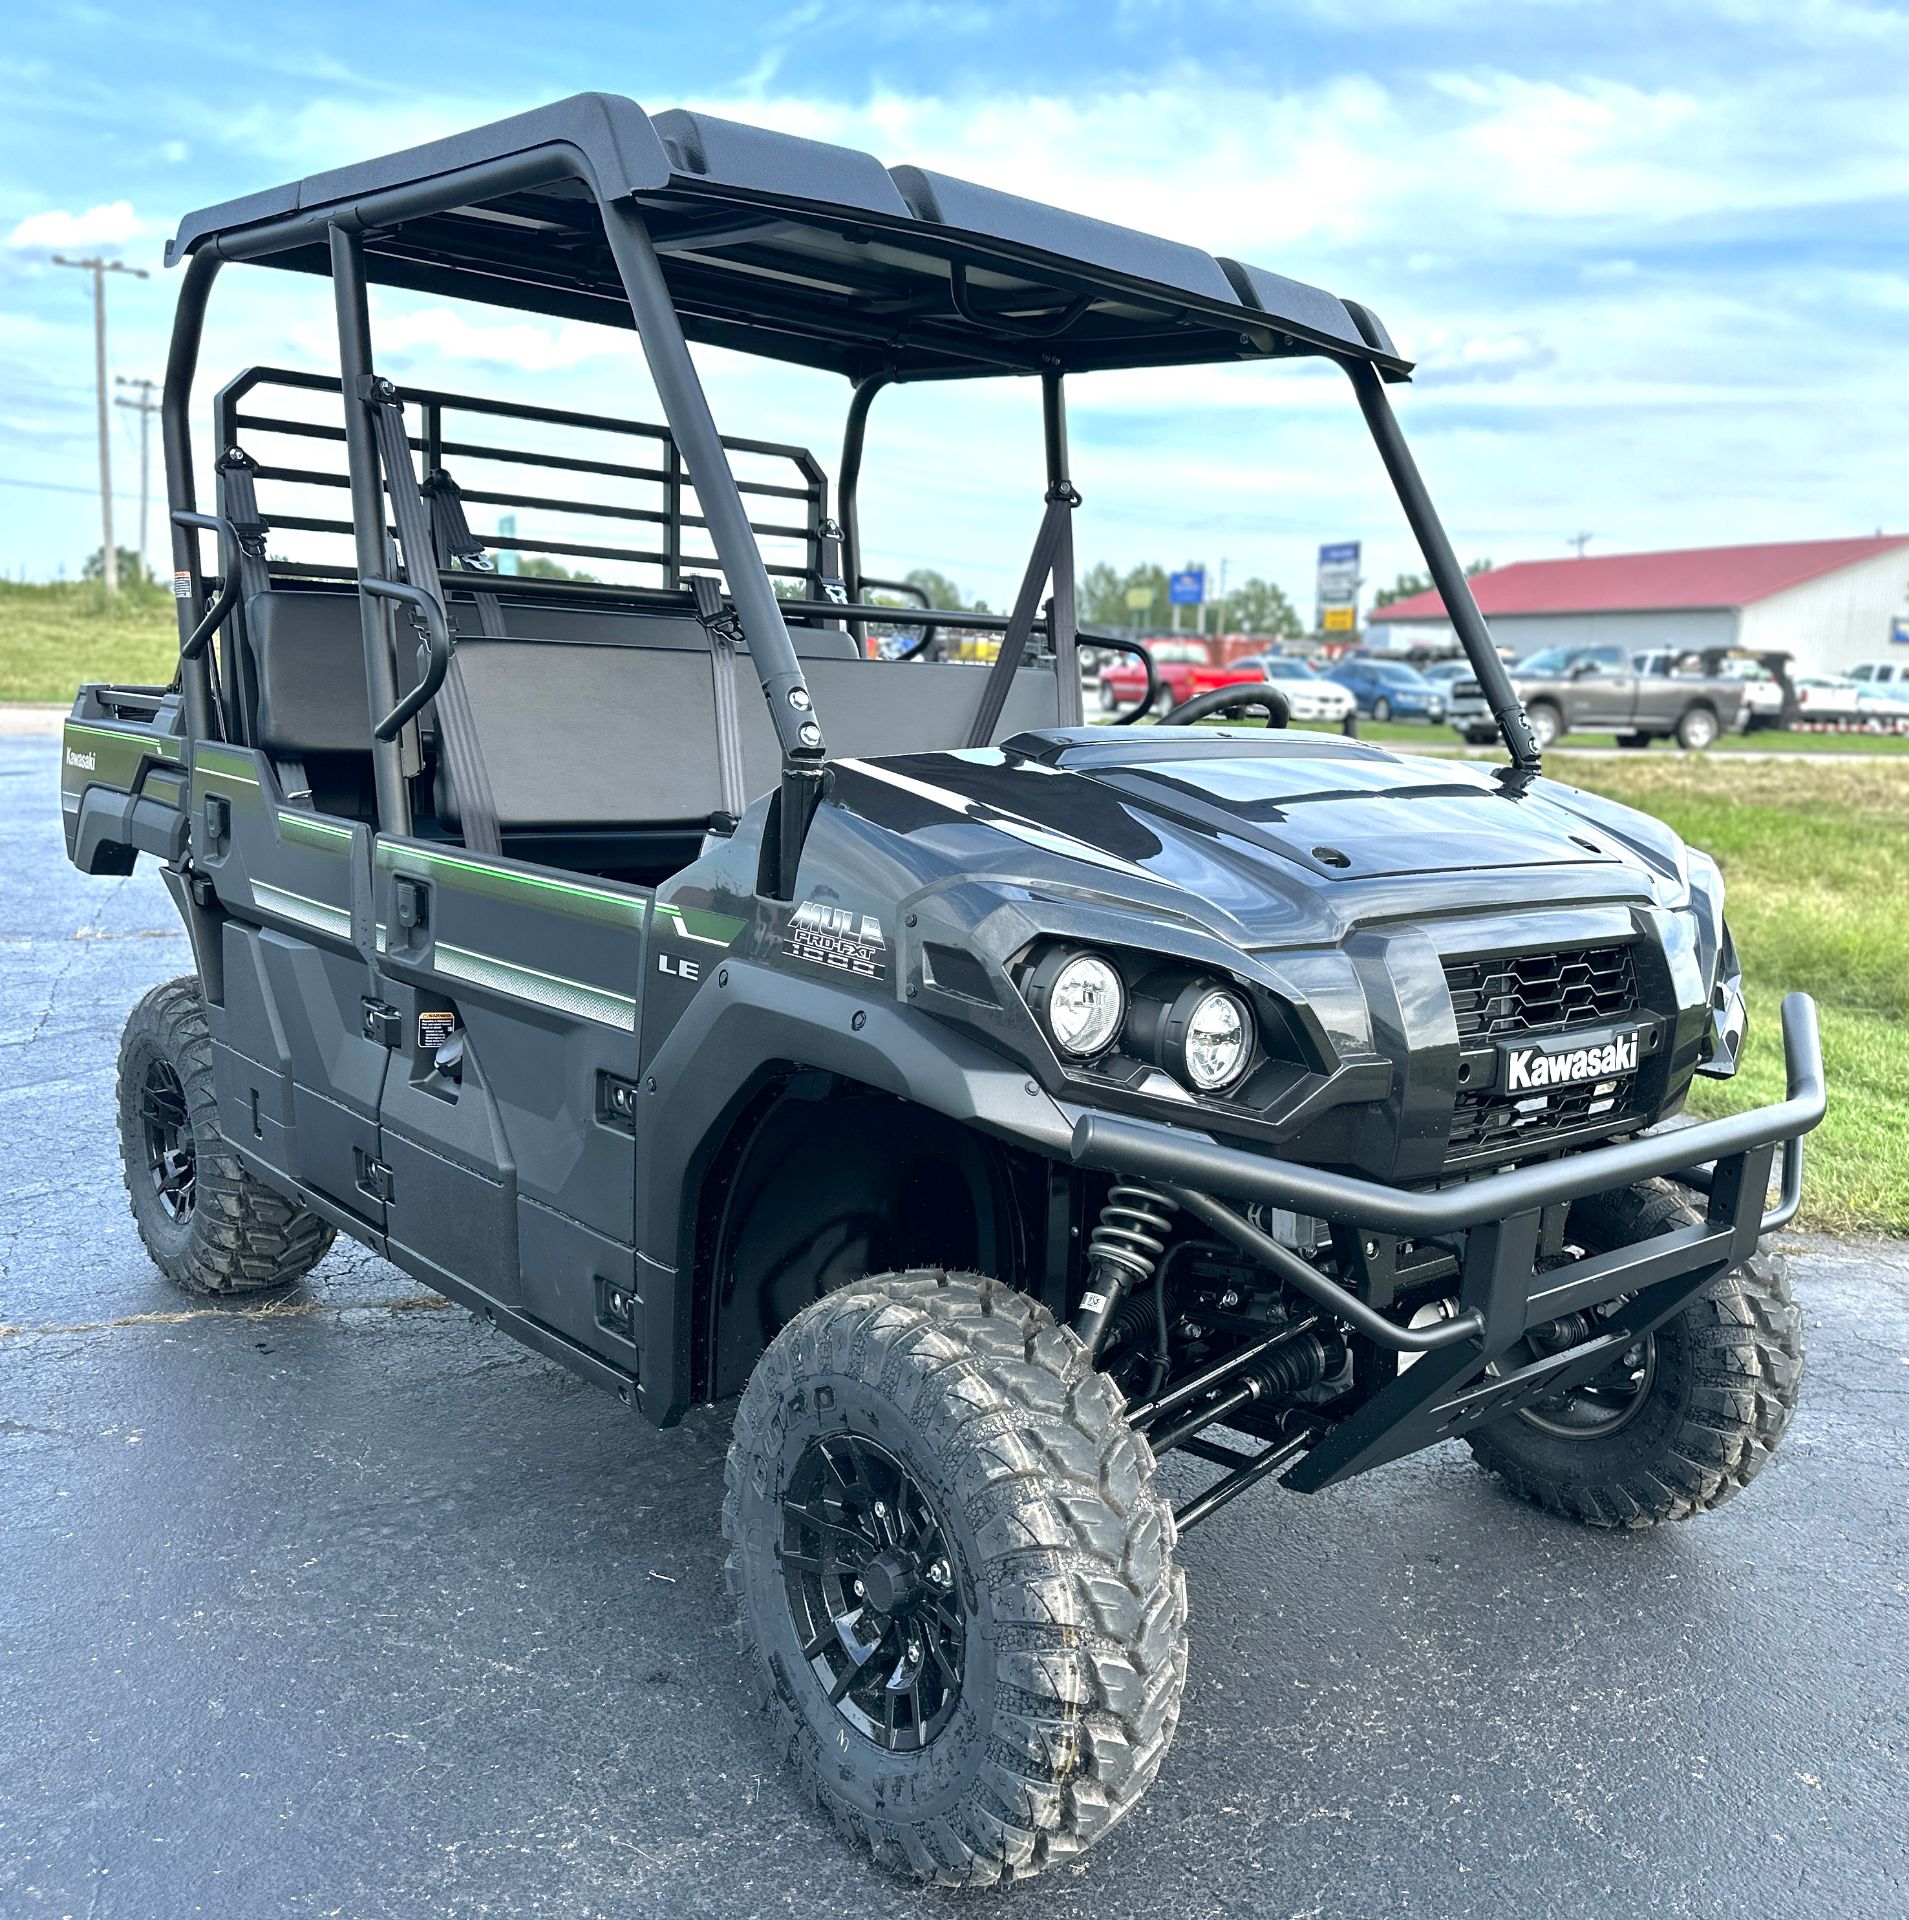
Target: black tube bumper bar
point(1182, 1159)
point(1602, 1304)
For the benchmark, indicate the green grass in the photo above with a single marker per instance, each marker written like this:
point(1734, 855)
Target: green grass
point(1816, 871)
point(53, 638)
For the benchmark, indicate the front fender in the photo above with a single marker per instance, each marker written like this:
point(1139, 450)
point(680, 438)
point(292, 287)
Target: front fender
point(748, 1022)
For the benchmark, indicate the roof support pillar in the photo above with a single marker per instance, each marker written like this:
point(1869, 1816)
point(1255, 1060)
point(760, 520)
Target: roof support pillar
point(368, 519)
point(848, 492)
point(1447, 575)
point(175, 431)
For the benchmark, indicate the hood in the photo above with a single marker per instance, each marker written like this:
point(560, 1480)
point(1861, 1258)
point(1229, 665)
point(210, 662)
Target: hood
point(1286, 835)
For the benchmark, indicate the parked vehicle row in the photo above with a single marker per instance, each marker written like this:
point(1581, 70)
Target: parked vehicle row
point(1601, 688)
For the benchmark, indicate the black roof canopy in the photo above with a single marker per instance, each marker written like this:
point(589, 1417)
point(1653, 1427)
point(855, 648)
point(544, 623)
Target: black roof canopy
point(786, 247)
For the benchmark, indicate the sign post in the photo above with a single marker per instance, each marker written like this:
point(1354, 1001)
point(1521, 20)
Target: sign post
point(1337, 596)
point(1187, 589)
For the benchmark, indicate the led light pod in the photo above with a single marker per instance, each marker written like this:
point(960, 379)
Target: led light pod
point(1081, 1001)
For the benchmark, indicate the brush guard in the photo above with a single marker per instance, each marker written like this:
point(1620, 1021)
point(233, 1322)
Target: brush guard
point(1452, 1386)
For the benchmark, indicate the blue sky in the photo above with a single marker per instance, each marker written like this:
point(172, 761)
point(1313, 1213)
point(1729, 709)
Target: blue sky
point(1651, 259)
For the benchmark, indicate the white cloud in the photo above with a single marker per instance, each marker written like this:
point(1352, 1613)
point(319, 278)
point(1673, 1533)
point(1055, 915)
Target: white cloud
point(406, 336)
point(110, 225)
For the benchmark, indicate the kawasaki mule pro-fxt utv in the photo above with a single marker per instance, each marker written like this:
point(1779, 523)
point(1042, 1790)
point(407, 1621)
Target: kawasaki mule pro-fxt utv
point(993, 1102)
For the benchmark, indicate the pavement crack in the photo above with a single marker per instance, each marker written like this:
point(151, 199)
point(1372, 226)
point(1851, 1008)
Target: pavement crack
point(295, 1310)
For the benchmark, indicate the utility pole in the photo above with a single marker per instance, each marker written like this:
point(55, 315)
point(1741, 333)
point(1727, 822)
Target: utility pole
point(1580, 541)
point(145, 406)
point(99, 269)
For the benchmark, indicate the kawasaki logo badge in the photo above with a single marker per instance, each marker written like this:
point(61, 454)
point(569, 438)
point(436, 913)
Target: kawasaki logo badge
point(1531, 1069)
point(84, 761)
point(836, 937)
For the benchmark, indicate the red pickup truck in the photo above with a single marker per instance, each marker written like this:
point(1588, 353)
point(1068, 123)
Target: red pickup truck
point(1183, 670)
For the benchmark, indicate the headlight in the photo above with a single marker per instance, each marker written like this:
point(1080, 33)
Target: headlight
point(1217, 1041)
point(1202, 1033)
point(1080, 999)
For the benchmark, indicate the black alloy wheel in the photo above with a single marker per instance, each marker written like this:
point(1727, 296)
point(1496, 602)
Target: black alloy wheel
point(172, 1157)
point(1597, 1408)
point(871, 1592)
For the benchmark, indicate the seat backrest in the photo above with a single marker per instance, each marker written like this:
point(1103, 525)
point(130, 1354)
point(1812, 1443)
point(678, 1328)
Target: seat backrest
point(309, 663)
point(589, 735)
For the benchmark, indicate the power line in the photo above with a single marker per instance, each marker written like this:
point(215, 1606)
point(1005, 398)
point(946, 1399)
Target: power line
point(99, 269)
point(1580, 541)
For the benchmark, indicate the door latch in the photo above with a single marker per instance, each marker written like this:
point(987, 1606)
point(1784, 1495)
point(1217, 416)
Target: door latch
point(383, 1025)
point(374, 1177)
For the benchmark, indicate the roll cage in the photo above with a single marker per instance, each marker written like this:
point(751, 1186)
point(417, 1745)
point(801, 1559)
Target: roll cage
point(685, 228)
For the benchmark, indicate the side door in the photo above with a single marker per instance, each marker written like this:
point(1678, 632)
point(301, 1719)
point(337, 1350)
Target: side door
point(299, 1072)
point(1603, 689)
point(508, 1122)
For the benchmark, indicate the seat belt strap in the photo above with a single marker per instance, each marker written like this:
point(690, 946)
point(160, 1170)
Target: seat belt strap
point(1049, 543)
point(829, 582)
point(720, 622)
point(476, 807)
point(460, 549)
point(240, 496)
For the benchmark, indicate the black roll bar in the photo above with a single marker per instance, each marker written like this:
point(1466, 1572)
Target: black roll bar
point(175, 433)
point(848, 492)
point(1447, 575)
point(368, 521)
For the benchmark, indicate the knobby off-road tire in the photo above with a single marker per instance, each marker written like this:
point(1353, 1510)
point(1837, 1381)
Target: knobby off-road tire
point(208, 1225)
point(1723, 1383)
point(1050, 1542)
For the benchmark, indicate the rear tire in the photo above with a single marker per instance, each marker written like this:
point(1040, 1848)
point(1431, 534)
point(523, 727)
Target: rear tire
point(1718, 1385)
point(944, 1419)
point(208, 1225)
point(1698, 730)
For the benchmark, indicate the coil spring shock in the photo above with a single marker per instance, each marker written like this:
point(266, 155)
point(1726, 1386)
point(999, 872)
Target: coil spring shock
point(1122, 1252)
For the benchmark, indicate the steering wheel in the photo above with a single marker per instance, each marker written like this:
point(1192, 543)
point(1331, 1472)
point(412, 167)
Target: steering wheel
point(1261, 694)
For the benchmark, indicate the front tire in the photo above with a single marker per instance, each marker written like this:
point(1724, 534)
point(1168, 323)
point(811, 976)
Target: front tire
point(1546, 723)
point(1381, 710)
point(208, 1225)
point(1694, 1417)
point(932, 1494)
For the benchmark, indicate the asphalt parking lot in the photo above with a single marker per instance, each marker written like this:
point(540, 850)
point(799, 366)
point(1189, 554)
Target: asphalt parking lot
point(341, 1606)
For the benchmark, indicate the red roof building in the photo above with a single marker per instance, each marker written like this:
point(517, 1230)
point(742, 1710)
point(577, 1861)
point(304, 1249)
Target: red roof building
point(1828, 602)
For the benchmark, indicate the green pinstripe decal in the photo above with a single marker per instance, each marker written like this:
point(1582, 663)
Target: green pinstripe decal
point(540, 989)
point(318, 914)
point(503, 883)
point(159, 745)
point(697, 923)
point(225, 763)
point(314, 833)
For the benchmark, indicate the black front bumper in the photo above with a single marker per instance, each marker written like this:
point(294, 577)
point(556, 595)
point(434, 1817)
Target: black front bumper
point(1502, 1291)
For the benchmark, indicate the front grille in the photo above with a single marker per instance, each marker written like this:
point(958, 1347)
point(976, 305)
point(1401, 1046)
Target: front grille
point(1519, 996)
point(1495, 1122)
point(1541, 992)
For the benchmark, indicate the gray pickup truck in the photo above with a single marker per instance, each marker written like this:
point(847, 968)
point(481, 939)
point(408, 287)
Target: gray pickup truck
point(1598, 690)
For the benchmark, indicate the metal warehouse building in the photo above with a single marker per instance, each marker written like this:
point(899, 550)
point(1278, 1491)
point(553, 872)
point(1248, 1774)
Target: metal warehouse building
point(1829, 602)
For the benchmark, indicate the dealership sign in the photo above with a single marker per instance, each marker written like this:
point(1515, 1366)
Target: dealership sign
point(1338, 587)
